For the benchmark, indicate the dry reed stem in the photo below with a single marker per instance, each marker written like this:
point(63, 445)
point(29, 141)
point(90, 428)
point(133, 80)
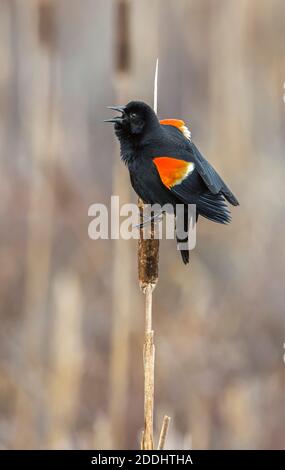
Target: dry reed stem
point(148, 357)
point(163, 433)
point(121, 278)
point(121, 300)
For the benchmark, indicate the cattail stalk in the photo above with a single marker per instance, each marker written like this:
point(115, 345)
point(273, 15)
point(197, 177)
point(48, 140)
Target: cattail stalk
point(148, 256)
point(148, 253)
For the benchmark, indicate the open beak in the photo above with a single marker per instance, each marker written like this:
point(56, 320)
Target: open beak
point(119, 119)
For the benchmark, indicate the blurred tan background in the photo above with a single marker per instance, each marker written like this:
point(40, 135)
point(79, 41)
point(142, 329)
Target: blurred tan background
point(71, 310)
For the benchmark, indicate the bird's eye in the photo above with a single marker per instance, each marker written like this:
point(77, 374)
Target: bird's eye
point(133, 115)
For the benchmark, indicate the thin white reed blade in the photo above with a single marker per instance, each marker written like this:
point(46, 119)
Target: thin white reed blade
point(155, 87)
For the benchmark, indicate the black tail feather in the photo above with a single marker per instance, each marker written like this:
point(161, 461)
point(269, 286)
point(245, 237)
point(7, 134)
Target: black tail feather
point(185, 256)
point(214, 207)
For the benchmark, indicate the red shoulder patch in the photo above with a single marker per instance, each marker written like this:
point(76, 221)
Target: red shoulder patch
point(172, 171)
point(179, 124)
point(173, 122)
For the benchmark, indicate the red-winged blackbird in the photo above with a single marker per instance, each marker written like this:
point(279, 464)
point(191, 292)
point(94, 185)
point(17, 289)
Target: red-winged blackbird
point(166, 167)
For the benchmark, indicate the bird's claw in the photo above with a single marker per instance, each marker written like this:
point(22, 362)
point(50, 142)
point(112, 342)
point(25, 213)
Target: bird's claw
point(148, 220)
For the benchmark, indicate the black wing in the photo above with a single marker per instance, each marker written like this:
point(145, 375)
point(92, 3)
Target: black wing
point(211, 178)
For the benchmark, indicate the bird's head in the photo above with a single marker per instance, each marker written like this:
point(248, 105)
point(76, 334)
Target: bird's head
point(135, 120)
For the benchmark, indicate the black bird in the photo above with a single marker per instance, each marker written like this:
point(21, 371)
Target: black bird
point(166, 167)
